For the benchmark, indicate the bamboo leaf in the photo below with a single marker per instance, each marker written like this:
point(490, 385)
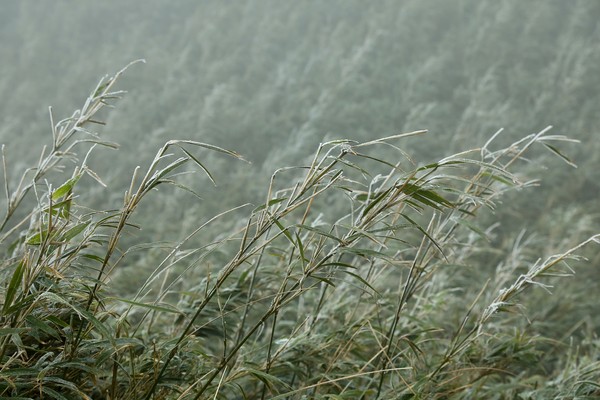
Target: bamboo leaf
point(173, 165)
point(12, 331)
point(376, 200)
point(561, 155)
point(41, 325)
point(209, 147)
point(53, 393)
point(13, 286)
point(300, 247)
point(37, 239)
point(323, 279)
point(362, 280)
point(206, 171)
point(269, 380)
point(425, 196)
point(284, 230)
point(366, 253)
point(320, 232)
point(270, 203)
point(424, 232)
point(65, 188)
point(162, 307)
point(88, 316)
point(472, 227)
point(74, 231)
point(18, 372)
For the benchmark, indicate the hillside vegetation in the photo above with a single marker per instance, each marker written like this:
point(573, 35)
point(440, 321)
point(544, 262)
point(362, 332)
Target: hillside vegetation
point(307, 200)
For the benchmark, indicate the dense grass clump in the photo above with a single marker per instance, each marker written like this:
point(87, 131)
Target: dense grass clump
point(359, 276)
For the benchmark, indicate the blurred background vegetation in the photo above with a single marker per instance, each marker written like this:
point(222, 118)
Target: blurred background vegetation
point(272, 79)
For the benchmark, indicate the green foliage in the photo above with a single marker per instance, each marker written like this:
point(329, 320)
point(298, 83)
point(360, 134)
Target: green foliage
point(98, 288)
point(348, 280)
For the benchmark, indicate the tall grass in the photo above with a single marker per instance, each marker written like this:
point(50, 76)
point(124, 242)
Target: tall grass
point(338, 285)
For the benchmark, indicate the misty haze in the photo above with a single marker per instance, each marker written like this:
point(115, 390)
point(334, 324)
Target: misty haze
point(300, 200)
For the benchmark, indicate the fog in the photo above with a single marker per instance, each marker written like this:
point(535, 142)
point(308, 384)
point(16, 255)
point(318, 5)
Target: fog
point(271, 80)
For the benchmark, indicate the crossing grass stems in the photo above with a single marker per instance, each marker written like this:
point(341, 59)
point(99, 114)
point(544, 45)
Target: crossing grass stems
point(334, 286)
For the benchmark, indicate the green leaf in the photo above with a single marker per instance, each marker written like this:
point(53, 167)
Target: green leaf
point(561, 155)
point(16, 398)
point(362, 280)
point(376, 200)
point(57, 321)
point(323, 279)
point(206, 171)
point(13, 286)
point(424, 232)
point(472, 227)
point(268, 379)
point(366, 253)
point(425, 196)
point(93, 257)
point(19, 372)
point(65, 188)
point(361, 233)
point(213, 148)
point(73, 365)
point(57, 208)
point(362, 197)
point(74, 231)
point(163, 307)
point(53, 393)
point(389, 164)
point(37, 239)
point(88, 316)
point(270, 203)
point(498, 178)
point(159, 174)
point(101, 87)
point(42, 326)
point(356, 167)
point(12, 331)
point(338, 264)
point(61, 383)
point(300, 247)
point(319, 231)
point(284, 230)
